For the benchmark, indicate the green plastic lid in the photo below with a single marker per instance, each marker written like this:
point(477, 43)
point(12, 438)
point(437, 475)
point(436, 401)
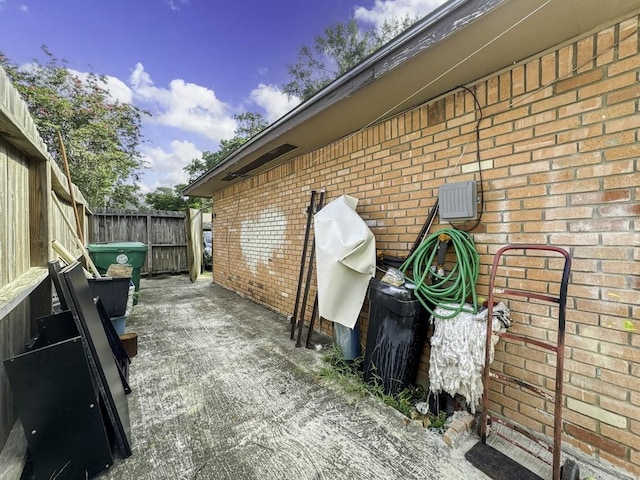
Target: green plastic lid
point(117, 247)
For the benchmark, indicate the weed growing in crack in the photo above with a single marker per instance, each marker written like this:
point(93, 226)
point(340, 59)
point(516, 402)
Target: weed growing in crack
point(348, 375)
point(345, 373)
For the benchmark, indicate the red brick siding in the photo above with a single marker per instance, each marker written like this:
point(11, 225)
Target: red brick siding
point(560, 158)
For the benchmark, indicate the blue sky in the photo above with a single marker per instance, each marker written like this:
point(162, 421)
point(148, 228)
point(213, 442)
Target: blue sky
point(192, 63)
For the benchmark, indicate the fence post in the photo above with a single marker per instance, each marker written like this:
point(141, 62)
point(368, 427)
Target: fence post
point(150, 245)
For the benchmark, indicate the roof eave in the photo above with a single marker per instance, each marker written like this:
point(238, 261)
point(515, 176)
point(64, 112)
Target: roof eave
point(340, 88)
point(461, 42)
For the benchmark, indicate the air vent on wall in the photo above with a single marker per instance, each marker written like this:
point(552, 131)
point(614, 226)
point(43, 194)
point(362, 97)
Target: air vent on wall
point(261, 160)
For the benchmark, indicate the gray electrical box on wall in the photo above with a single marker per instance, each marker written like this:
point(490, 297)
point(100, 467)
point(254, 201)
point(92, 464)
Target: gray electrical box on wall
point(457, 201)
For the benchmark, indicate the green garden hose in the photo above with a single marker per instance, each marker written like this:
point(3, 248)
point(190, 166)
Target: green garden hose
point(450, 290)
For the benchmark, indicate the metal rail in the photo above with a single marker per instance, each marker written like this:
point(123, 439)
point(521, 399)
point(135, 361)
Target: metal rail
point(303, 308)
point(294, 317)
point(558, 348)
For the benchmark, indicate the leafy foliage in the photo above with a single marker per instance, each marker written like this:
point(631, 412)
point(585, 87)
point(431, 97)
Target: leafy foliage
point(101, 135)
point(340, 48)
point(167, 198)
point(350, 378)
point(249, 124)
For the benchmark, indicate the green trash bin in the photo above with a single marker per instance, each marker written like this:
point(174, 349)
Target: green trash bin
point(123, 253)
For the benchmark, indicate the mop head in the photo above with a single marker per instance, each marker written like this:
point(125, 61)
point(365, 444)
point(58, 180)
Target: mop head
point(458, 351)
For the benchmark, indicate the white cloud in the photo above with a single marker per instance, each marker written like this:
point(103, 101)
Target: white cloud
point(385, 9)
point(117, 88)
point(177, 4)
point(186, 106)
point(274, 102)
point(22, 8)
point(166, 167)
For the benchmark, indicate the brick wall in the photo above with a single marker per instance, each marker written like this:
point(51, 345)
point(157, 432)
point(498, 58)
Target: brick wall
point(560, 159)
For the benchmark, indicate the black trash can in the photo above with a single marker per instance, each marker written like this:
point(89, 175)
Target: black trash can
point(114, 293)
point(395, 337)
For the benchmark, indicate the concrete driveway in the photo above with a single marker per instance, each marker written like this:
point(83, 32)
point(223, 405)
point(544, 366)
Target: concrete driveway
point(220, 392)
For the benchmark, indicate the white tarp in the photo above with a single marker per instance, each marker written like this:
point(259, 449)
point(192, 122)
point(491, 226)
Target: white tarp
point(346, 260)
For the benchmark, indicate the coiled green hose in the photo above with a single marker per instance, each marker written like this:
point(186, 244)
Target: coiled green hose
point(451, 290)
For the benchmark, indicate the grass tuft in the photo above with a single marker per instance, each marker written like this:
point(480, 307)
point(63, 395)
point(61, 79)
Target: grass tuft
point(349, 376)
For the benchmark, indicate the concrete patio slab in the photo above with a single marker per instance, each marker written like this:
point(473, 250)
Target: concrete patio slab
point(220, 392)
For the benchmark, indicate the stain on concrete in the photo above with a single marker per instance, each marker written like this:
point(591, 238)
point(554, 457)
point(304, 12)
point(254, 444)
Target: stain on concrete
point(220, 392)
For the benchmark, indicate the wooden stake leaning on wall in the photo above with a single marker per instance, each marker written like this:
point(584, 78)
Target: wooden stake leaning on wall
point(85, 254)
point(63, 152)
point(66, 255)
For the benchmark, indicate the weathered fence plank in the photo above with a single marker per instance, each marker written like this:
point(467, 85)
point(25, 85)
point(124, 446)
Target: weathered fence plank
point(193, 226)
point(162, 231)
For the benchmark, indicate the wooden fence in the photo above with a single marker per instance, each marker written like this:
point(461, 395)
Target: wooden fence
point(34, 211)
point(163, 232)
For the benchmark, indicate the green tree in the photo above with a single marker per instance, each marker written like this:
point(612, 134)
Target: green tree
point(167, 198)
point(340, 48)
point(249, 124)
point(101, 135)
